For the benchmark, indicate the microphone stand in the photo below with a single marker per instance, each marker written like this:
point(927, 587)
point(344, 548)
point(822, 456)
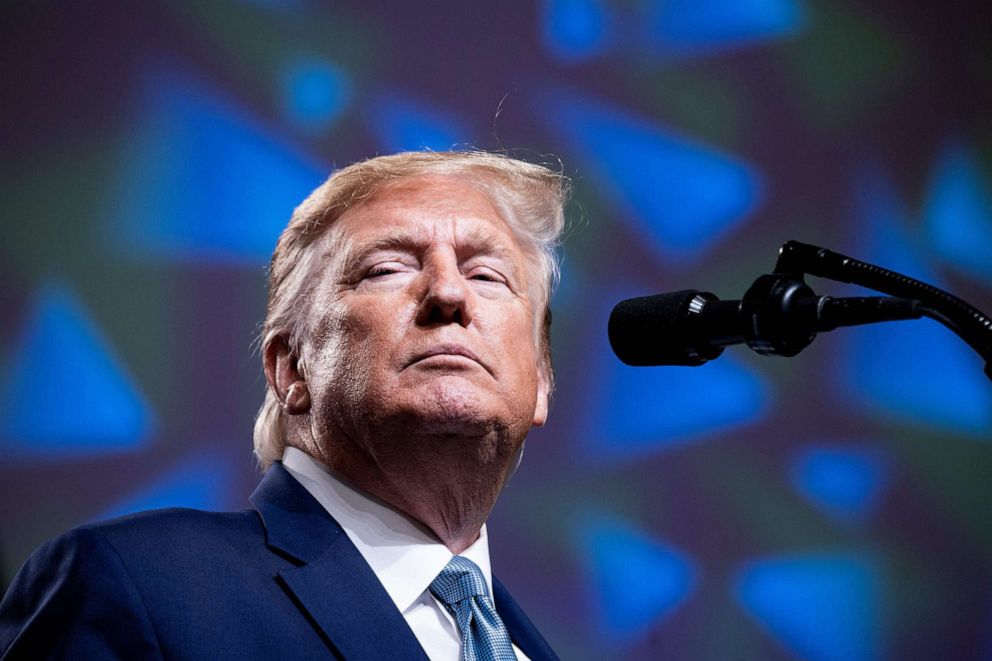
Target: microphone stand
point(795, 260)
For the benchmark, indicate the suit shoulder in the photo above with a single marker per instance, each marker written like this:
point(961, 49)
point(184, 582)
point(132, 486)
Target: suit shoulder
point(174, 530)
point(68, 598)
point(174, 520)
point(163, 554)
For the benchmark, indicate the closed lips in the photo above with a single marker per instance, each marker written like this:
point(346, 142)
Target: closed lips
point(449, 350)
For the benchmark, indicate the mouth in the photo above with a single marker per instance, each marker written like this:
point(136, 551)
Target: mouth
point(449, 355)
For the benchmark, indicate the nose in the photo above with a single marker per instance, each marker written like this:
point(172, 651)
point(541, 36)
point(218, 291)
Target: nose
point(446, 297)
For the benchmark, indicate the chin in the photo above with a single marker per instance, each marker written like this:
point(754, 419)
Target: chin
point(450, 405)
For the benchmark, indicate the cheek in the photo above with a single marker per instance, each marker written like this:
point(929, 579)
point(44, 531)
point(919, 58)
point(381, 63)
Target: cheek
point(377, 328)
point(338, 351)
point(366, 338)
point(521, 349)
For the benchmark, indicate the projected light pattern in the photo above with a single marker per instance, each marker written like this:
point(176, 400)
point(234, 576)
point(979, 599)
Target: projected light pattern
point(681, 196)
point(845, 483)
point(919, 372)
point(940, 385)
point(638, 580)
point(575, 30)
point(959, 210)
point(316, 92)
point(643, 410)
point(201, 482)
point(823, 606)
point(65, 393)
point(694, 26)
point(405, 124)
point(830, 506)
point(205, 181)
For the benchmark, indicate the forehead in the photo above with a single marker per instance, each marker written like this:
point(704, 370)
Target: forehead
point(426, 209)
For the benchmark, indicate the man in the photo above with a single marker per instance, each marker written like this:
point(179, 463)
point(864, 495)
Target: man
point(406, 352)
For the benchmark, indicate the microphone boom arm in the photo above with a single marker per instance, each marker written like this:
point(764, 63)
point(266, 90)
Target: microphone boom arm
point(965, 320)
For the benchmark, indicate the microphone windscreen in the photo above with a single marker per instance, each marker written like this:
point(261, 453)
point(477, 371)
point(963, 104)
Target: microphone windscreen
point(651, 330)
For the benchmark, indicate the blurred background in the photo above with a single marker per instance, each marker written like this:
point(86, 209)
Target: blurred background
point(834, 506)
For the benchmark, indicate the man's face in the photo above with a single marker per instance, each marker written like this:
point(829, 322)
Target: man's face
point(423, 320)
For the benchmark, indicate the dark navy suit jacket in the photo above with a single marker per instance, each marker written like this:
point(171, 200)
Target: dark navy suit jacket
point(281, 581)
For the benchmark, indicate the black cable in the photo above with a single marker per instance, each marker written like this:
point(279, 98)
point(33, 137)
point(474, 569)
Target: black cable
point(936, 315)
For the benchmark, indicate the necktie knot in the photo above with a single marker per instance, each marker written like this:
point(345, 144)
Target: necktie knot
point(462, 588)
point(459, 580)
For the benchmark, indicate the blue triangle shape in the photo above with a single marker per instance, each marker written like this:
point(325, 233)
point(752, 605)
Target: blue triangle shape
point(401, 123)
point(820, 606)
point(201, 482)
point(65, 393)
point(205, 180)
point(643, 410)
point(638, 581)
point(843, 482)
point(708, 26)
point(915, 371)
point(681, 197)
point(959, 211)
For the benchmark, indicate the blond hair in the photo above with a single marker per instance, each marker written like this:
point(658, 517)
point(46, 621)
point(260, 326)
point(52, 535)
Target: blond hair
point(530, 198)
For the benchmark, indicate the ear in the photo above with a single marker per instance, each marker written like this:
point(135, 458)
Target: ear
point(282, 371)
point(543, 395)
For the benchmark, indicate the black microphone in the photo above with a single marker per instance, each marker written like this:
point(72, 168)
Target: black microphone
point(779, 315)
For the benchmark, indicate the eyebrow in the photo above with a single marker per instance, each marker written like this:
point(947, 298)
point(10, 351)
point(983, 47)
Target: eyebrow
point(391, 242)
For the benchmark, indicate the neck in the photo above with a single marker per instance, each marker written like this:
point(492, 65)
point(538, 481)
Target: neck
point(447, 482)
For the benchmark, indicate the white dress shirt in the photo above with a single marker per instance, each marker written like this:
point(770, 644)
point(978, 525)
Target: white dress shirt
point(405, 557)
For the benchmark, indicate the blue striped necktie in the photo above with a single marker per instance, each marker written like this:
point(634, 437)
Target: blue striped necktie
point(462, 588)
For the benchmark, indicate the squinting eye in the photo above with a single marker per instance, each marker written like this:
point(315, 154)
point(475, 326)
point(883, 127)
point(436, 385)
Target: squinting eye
point(380, 270)
point(486, 276)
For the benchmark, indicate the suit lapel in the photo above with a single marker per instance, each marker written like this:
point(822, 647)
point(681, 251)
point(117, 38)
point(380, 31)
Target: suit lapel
point(522, 631)
point(331, 582)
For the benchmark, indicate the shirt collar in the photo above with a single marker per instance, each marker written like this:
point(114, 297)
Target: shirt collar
point(404, 556)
